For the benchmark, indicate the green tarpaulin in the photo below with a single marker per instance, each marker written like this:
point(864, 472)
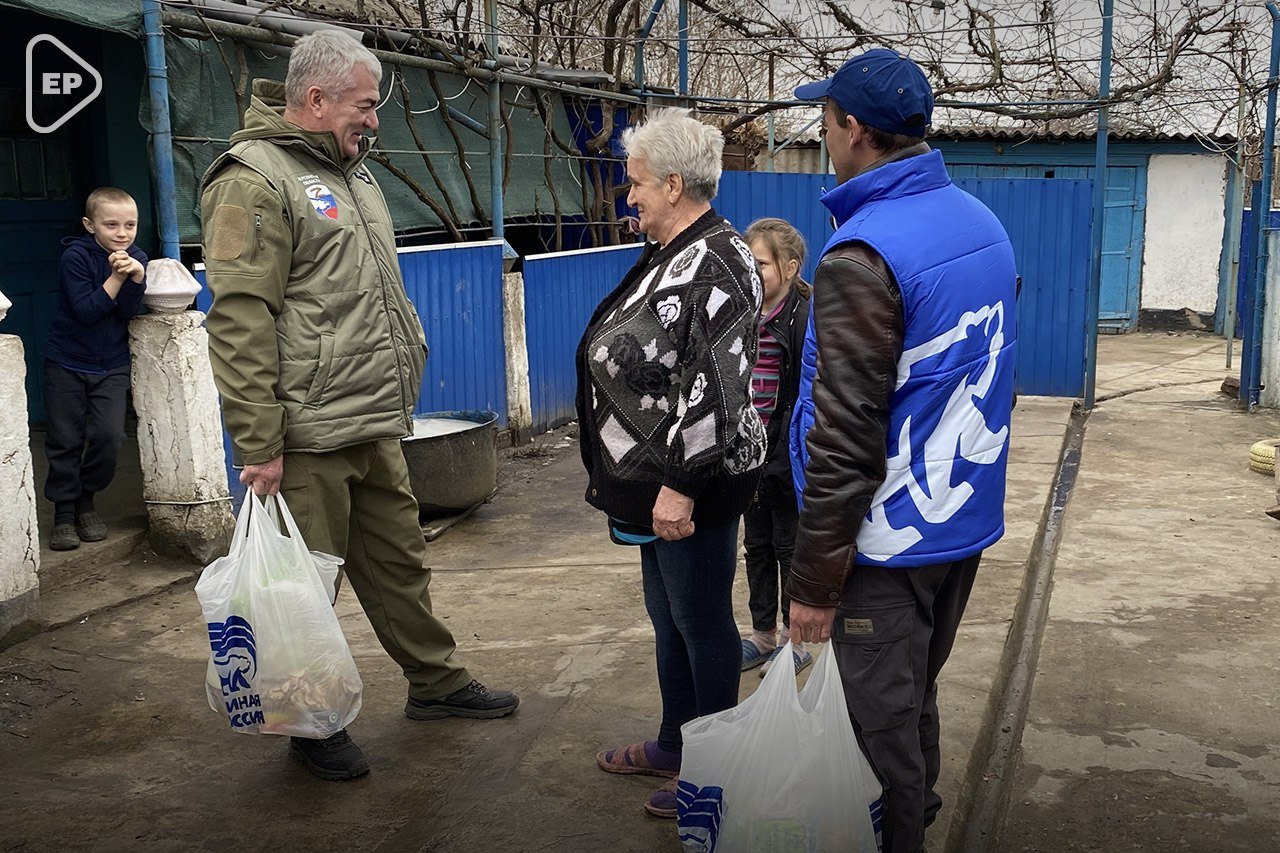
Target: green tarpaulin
point(117, 16)
point(204, 77)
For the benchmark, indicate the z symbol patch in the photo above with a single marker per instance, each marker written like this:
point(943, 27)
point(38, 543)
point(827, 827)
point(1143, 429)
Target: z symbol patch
point(322, 200)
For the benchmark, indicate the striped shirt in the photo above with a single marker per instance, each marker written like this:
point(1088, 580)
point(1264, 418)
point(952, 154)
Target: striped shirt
point(765, 375)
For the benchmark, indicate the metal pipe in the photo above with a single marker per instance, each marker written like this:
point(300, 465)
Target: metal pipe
point(772, 166)
point(1251, 355)
point(495, 125)
point(642, 37)
point(683, 33)
point(204, 27)
point(468, 122)
point(1077, 103)
point(161, 131)
point(705, 99)
point(796, 136)
point(1235, 213)
point(1094, 298)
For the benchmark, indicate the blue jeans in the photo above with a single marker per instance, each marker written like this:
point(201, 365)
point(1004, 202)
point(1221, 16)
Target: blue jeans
point(688, 592)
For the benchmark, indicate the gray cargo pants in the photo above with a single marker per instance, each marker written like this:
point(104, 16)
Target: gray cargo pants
point(893, 631)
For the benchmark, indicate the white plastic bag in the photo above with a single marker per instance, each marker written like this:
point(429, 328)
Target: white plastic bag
point(778, 773)
point(327, 565)
point(279, 664)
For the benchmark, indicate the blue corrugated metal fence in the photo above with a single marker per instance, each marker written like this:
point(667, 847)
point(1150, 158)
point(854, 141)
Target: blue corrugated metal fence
point(747, 196)
point(1048, 222)
point(560, 292)
point(1246, 265)
point(457, 290)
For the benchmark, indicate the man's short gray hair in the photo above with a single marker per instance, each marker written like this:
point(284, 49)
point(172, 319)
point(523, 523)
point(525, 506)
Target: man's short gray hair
point(326, 58)
point(673, 142)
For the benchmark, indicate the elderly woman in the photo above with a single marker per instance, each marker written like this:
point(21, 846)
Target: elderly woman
point(669, 437)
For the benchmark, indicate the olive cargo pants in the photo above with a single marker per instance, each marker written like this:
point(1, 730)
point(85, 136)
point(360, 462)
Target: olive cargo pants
point(356, 503)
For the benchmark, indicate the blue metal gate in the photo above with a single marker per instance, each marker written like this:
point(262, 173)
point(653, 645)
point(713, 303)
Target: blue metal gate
point(561, 290)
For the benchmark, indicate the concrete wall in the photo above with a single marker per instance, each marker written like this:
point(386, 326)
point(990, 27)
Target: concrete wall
point(19, 538)
point(1186, 200)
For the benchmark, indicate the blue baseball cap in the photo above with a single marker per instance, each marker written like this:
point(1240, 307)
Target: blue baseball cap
point(882, 88)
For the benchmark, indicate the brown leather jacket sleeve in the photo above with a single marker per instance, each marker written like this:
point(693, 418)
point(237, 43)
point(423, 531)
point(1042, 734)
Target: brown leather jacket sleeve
point(858, 320)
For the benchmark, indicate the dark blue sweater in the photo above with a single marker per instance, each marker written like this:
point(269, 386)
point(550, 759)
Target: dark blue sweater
point(90, 332)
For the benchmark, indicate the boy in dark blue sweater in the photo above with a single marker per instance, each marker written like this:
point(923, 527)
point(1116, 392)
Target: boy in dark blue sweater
point(86, 370)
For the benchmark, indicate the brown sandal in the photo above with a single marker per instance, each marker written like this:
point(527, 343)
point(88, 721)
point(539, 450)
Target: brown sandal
point(664, 801)
point(630, 760)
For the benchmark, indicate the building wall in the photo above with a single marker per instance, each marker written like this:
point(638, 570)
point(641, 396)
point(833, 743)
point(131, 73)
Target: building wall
point(1186, 200)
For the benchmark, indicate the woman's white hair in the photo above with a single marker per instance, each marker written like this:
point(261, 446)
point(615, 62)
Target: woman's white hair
point(673, 142)
point(326, 58)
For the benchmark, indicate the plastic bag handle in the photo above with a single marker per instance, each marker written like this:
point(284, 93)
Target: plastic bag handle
point(278, 512)
point(780, 681)
point(290, 526)
point(241, 533)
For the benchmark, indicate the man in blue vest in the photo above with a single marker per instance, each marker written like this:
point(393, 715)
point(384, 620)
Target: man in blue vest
point(900, 437)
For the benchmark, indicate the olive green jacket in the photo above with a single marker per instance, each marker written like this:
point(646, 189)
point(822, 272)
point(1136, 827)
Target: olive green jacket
point(314, 344)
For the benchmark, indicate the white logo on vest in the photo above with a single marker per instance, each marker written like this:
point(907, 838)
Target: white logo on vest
point(962, 429)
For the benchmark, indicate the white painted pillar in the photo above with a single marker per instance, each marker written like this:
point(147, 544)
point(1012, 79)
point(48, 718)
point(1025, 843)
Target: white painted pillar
point(1270, 375)
point(184, 475)
point(519, 398)
point(19, 536)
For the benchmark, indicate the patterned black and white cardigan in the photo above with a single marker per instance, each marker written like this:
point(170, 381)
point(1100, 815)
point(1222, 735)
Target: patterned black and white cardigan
point(664, 379)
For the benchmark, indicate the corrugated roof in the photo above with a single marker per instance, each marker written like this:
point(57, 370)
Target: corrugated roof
point(1068, 135)
point(1025, 134)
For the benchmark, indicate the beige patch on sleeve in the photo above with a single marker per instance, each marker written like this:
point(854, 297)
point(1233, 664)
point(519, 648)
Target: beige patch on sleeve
point(230, 228)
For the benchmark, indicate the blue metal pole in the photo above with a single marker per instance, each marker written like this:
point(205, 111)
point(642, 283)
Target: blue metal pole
point(495, 124)
point(161, 130)
point(684, 47)
point(642, 37)
point(1099, 210)
point(1254, 237)
point(1251, 358)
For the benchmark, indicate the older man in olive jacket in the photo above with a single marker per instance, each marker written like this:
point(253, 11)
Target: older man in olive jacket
point(318, 356)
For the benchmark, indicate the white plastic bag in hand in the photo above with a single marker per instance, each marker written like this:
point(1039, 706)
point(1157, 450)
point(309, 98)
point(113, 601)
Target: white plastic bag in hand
point(327, 565)
point(279, 664)
point(781, 772)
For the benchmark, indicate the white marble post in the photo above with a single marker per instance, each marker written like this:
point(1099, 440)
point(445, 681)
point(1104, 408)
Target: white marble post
point(19, 536)
point(184, 475)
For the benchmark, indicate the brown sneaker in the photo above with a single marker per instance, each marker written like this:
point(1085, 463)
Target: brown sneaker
point(64, 538)
point(90, 527)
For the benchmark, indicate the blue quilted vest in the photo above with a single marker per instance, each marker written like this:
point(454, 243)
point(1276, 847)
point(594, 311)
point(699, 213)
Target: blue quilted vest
point(948, 439)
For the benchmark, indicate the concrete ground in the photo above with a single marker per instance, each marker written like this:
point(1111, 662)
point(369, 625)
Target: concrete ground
point(1153, 715)
point(108, 742)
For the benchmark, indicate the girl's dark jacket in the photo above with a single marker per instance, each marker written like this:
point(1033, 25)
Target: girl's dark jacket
point(788, 327)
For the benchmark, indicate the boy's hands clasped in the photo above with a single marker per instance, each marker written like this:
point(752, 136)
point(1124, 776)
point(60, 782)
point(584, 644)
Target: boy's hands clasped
point(126, 266)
